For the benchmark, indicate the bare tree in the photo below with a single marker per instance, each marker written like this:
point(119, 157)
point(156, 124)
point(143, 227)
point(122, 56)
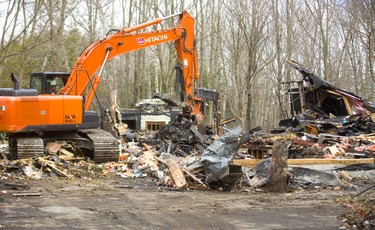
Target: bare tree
point(251, 19)
point(19, 21)
point(363, 12)
point(55, 57)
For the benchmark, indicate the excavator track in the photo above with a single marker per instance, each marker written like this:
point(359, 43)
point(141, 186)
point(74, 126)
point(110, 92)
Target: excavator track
point(106, 147)
point(97, 144)
point(25, 147)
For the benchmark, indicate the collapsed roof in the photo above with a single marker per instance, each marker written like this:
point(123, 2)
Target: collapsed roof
point(327, 98)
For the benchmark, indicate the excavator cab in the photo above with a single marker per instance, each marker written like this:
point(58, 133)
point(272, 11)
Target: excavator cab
point(48, 82)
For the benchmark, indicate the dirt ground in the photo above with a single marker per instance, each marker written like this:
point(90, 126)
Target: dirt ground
point(117, 203)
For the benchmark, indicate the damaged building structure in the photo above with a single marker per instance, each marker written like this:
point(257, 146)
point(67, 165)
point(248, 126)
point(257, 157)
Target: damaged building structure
point(149, 114)
point(152, 114)
point(317, 106)
point(322, 115)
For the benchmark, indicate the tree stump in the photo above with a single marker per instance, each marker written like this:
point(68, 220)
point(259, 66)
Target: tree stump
point(279, 166)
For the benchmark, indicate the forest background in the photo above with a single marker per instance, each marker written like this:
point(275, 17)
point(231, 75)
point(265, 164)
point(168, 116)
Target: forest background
point(242, 47)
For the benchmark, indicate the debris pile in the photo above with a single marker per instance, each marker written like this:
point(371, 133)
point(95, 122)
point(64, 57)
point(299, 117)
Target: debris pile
point(329, 126)
point(317, 106)
point(184, 162)
point(305, 145)
point(206, 163)
point(60, 160)
point(361, 212)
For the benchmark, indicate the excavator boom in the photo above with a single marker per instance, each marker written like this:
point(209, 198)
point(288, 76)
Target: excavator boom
point(94, 57)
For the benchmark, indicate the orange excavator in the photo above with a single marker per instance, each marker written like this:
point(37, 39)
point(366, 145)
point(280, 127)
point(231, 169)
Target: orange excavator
point(56, 107)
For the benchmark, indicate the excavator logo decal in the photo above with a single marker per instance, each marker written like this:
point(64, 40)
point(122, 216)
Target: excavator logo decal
point(70, 118)
point(142, 41)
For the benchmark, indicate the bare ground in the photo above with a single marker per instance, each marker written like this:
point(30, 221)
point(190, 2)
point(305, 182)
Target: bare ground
point(117, 203)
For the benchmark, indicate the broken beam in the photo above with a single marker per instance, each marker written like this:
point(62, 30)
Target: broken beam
point(195, 178)
point(308, 161)
point(27, 194)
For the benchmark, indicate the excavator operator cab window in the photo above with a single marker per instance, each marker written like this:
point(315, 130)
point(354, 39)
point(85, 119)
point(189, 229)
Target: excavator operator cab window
point(52, 85)
point(36, 82)
point(48, 83)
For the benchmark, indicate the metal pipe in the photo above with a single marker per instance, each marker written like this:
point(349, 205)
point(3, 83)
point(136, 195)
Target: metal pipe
point(15, 81)
point(105, 60)
point(96, 82)
point(171, 16)
point(149, 23)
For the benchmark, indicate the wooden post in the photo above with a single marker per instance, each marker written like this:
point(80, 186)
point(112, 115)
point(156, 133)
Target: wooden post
point(302, 98)
point(279, 166)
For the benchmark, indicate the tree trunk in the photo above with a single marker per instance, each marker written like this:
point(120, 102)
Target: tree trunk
point(279, 167)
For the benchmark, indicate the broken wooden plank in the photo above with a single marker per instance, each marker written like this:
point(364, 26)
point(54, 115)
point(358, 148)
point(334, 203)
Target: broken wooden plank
point(176, 173)
point(274, 137)
point(52, 165)
point(308, 161)
point(58, 171)
point(66, 152)
point(334, 150)
point(330, 161)
point(372, 117)
point(247, 162)
point(69, 158)
point(195, 178)
point(27, 194)
point(147, 146)
point(311, 129)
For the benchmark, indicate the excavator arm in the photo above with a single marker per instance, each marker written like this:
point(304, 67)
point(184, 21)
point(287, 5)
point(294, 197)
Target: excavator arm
point(89, 66)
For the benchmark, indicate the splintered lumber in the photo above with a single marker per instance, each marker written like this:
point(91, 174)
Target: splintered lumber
point(66, 152)
point(279, 167)
point(56, 170)
point(52, 165)
point(247, 162)
point(307, 161)
point(147, 146)
point(176, 173)
point(69, 158)
point(195, 178)
point(313, 161)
